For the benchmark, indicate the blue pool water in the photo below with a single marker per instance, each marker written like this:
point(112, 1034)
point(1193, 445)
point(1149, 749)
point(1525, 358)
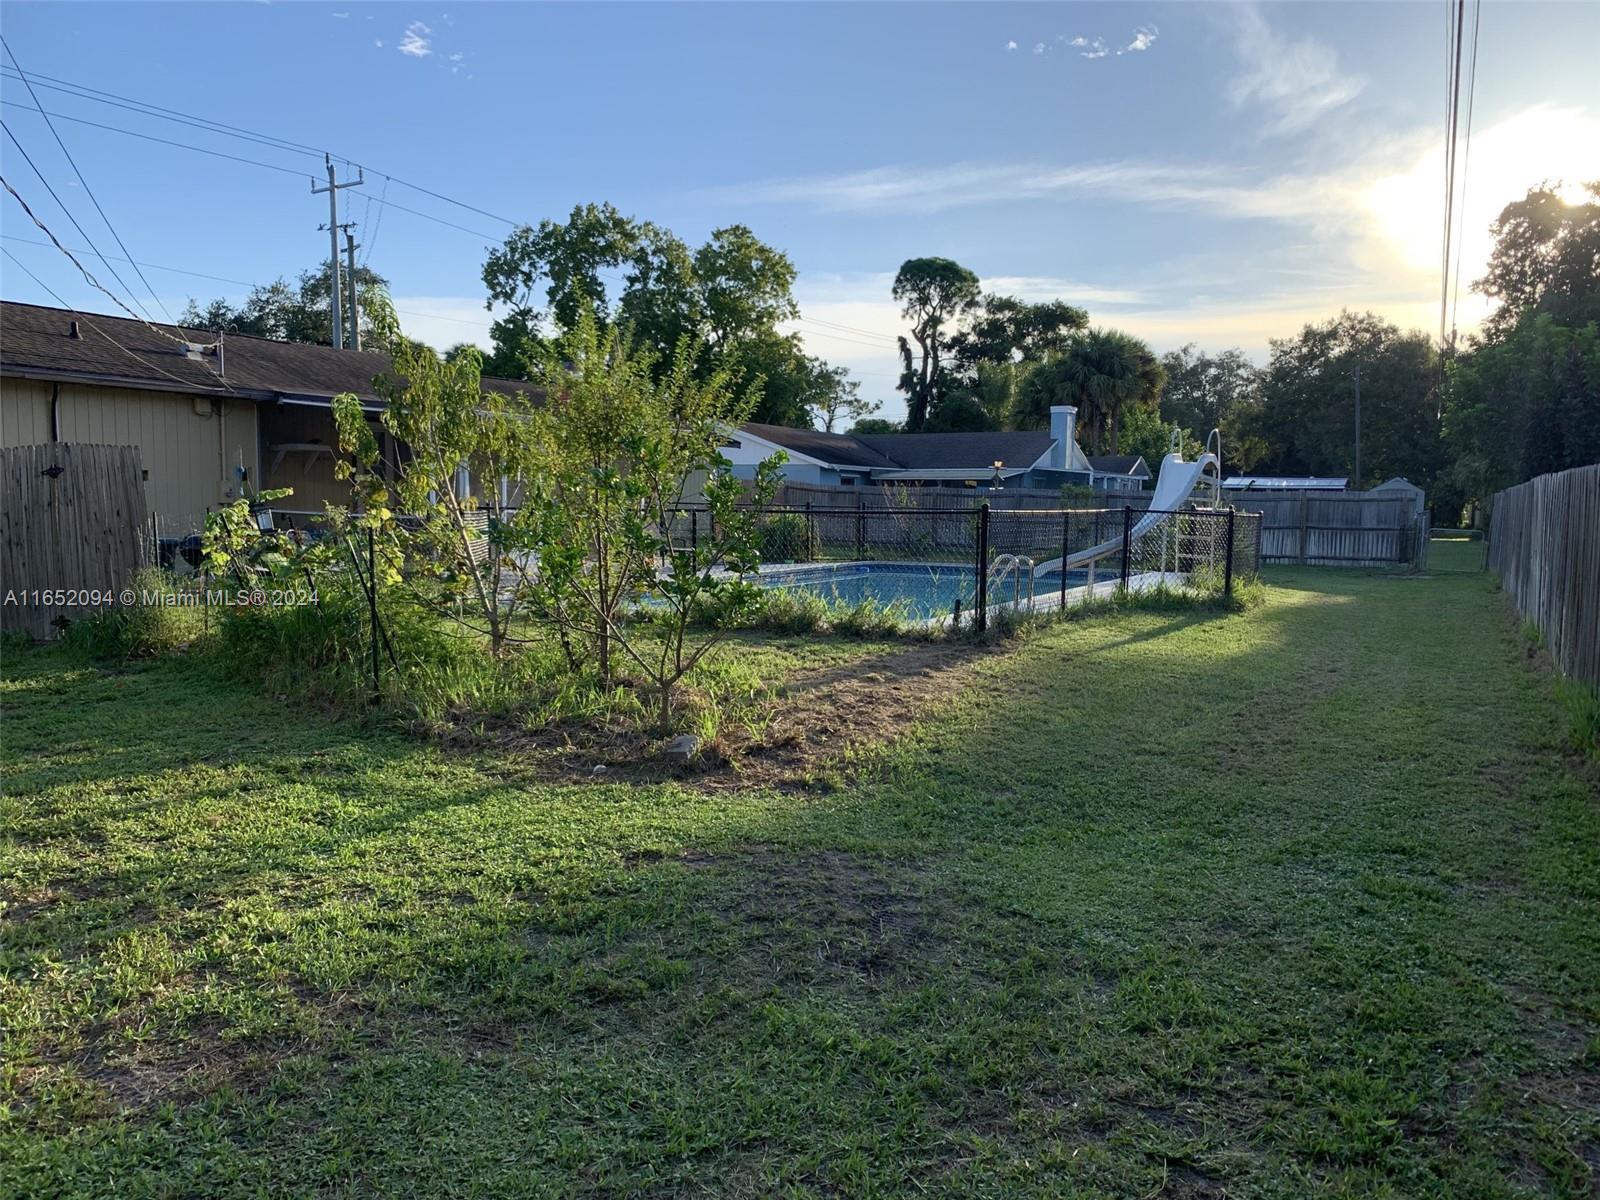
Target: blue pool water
point(918, 590)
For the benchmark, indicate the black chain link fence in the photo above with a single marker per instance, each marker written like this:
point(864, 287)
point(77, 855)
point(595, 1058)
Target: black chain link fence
point(961, 564)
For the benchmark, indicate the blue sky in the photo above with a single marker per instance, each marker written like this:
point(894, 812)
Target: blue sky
point(1199, 172)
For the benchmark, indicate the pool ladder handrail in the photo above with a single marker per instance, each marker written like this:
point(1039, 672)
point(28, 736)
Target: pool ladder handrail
point(1019, 567)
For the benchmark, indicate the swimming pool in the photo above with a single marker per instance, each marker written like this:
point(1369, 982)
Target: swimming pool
point(921, 590)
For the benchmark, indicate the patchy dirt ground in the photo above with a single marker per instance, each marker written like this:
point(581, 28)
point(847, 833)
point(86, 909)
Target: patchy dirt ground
point(800, 738)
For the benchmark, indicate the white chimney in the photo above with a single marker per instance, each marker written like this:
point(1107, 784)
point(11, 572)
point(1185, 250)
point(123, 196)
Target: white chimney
point(1063, 429)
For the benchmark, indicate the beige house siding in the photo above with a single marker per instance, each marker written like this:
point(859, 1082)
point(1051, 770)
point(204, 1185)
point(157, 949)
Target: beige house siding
point(24, 412)
point(191, 447)
point(308, 472)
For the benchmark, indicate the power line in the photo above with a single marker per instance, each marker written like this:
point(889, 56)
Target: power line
point(92, 280)
point(98, 96)
point(404, 312)
point(255, 162)
point(90, 323)
point(1466, 158)
point(95, 96)
point(93, 199)
point(150, 137)
point(372, 238)
point(28, 158)
point(1456, 13)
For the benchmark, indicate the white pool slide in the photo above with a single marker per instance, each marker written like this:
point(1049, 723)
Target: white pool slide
point(1175, 483)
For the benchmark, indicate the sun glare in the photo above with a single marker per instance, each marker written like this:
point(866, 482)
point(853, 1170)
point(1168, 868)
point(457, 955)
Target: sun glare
point(1558, 146)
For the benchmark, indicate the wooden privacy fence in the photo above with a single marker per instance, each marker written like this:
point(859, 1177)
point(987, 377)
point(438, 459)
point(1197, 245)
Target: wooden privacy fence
point(72, 522)
point(1544, 543)
point(1338, 529)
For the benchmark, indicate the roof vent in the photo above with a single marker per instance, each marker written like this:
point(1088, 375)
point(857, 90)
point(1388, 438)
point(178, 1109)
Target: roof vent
point(72, 332)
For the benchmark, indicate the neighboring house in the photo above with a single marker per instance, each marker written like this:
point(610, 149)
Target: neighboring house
point(1022, 459)
point(214, 416)
point(1120, 472)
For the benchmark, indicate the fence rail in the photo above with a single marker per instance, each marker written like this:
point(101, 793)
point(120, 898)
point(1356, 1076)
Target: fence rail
point(1352, 530)
point(72, 531)
point(1544, 543)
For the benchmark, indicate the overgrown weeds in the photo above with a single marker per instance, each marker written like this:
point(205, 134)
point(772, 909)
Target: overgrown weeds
point(164, 618)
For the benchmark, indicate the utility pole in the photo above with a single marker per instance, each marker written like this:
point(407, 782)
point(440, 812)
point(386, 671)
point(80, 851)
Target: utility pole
point(1358, 427)
point(350, 246)
point(333, 241)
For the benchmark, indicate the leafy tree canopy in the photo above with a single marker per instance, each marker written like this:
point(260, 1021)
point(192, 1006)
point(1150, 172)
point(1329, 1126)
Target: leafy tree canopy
point(301, 312)
point(1216, 391)
point(1546, 259)
point(728, 295)
point(1103, 373)
point(934, 293)
point(1307, 413)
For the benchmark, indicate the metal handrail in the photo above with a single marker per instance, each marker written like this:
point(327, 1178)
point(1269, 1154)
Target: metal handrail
point(1015, 565)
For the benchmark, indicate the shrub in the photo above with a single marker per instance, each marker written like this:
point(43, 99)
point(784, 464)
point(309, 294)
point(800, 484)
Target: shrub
point(785, 537)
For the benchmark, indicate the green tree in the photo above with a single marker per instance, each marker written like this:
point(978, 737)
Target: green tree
point(1146, 434)
point(1307, 414)
point(478, 562)
point(872, 425)
point(302, 312)
point(1004, 330)
point(613, 448)
point(934, 293)
point(1521, 406)
point(1102, 373)
point(1546, 259)
point(728, 296)
point(1216, 391)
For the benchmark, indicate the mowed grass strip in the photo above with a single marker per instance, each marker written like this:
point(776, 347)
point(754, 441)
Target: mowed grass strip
point(1300, 901)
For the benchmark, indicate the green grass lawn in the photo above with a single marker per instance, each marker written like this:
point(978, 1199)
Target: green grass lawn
point(1300, 901)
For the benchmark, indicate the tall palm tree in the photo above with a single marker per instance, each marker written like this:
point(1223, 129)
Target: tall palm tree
point(1101, 373)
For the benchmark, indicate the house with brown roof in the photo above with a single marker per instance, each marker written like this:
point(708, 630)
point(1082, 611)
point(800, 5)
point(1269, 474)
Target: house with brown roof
point(1029, 458)
point(215, 416)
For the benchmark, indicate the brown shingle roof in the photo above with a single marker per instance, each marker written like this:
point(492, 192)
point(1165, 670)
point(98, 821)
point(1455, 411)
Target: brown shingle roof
point(837, 448)
point(959, 451)
point(36, 341)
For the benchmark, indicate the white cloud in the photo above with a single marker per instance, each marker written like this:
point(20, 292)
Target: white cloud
point(1298, 82)
point(379, 45)
point(1095, 48)
point(416, 43)
point(1038, 47)
point(1364, 234)
point(340, 16)
point(960, 185)
point(1035, 288)
point(1143, 38)
point(1011, 45)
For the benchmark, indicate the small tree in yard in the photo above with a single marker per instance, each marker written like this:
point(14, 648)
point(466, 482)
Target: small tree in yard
point(478, 551)
point(614, 448)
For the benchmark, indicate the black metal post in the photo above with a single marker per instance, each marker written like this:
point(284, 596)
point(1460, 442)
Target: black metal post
point(372, 607)
point(811, 535)
point(1066, 517)
point(981, 615)
point(861, 528)
point(694, 532)
point(1127, 539)
point(1227, 570)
